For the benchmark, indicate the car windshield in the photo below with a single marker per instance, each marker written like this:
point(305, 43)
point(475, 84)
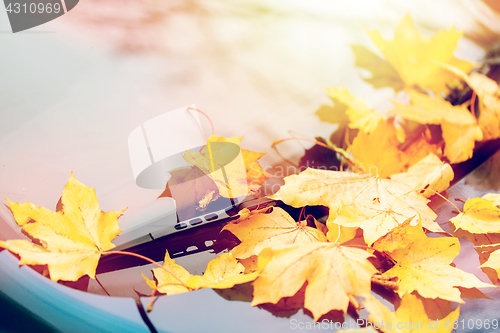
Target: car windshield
point(125, 94)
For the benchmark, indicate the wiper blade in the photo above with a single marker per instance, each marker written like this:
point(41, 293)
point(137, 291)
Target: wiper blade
point(183, 238)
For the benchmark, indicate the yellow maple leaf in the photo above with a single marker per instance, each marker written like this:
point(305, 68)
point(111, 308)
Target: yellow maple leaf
point(221, 273)
point(339, 234)
point(234, 170)
point(460, 129)
point(369, 202)
point(72, 238)
point(383, 73)
point(425, 109)
point(495, 197)
point(360, 115)
point(375, 225)
point(423, 265)
point(397, 238)
point(489, 117)
point(378, 151)
point(415, 58)
point(320, 226)
point(430, 173)
point(256, 175)
point(488, 242)
point(460, 140)
point(489, 103)
point(259, 231)
point(336, 115)
point(173, 281)
point(379, 154)
point(333, 274)
point(480, 215)
point(333, 114)
point(493, 262)
point(410, 316)
point(420, 147)
point(484, 244)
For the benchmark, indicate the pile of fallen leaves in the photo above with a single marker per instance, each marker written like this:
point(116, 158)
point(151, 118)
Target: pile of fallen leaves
point(376, 232)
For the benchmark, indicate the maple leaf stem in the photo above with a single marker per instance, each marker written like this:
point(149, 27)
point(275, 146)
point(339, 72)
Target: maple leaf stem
point(339, 151)
point(472, 104)
point(446, 199)
point(354, 302)
point(203, 113)
point(338, 234)
point(151, 300)
point(300, 215)
point(147, 259)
